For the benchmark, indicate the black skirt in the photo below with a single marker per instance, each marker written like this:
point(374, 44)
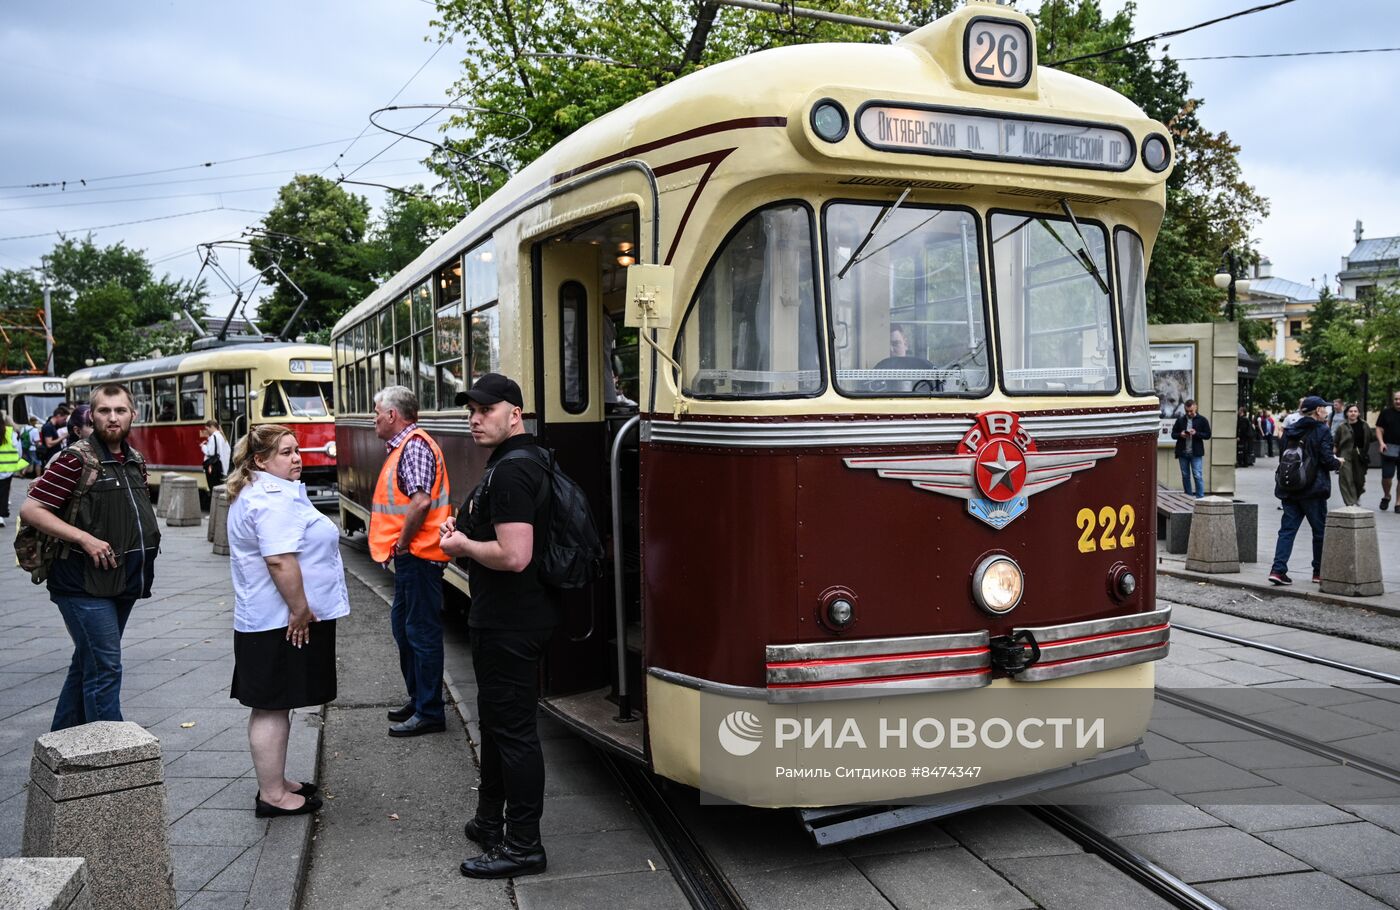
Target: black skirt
point(270, 674)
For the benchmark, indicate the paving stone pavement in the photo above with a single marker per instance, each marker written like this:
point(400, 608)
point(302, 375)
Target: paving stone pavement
point(177, 656)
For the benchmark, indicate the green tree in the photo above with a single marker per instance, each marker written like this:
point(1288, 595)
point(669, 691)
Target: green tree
point(316, 234)
point(408, 222)
point(1361, 345)
point(22, 345)
point(1315, 351)
point(1279, 386)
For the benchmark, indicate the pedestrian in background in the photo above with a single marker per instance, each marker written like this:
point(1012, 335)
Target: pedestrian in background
point(1191, 431)
point(1314, 441)
point(1388, 435)
point(1244, 439)
point(410, 505)
point(1352, 440)
point(1266, 430)
point(94, 500)
point(51, 434)
point(280, 548)
point(10, 463)
point(217, 454)
point(79, 426)
point(1337, 416)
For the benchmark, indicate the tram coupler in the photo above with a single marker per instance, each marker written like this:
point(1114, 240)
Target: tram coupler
point(1009, 652)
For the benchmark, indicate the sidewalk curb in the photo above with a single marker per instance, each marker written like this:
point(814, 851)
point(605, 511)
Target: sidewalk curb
point(1228, 581)
point(280, 875)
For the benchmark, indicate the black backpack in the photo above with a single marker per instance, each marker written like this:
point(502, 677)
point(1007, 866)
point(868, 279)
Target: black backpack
point(1297, 467)
point(572, 555)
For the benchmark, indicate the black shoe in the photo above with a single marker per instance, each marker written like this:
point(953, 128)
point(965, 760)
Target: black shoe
point(1280, 578)
point(1385, 503)
point(487, 836)
point(506, 861)
point(417, 726)
point(268, 810)
point(398, 715)
point(307, 789)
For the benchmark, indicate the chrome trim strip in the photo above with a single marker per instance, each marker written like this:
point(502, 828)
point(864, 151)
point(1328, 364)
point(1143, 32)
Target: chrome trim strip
point(878, 689)
point(876, 647)
point(365, 423)
point(1038, 673)
point(893, 431)
point(1121, 641)
point(861, 670)
point(1050, 634)
point(708, 686)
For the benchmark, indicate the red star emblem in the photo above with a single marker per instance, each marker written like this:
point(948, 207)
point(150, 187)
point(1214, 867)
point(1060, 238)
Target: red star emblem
point(1001, 470)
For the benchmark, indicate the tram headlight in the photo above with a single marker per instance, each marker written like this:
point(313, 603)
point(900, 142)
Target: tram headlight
point(1121, 582)
point(1156, 153)
point(330, 449)
point(829, 120)
point(997, 584)
point(840, 612)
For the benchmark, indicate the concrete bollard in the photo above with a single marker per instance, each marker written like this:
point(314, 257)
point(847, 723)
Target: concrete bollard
point(98, 792)
point(163, 503)
point(218, 521)
point(1213, 547)
point(214, 511)
point(183, 511)
point(1351, 554)
point(45, 883)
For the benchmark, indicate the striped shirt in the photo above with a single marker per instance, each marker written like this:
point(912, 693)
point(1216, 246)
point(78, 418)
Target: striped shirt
point(55, 486)
point(417, 466)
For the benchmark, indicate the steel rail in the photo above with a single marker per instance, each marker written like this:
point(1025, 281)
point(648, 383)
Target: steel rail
point(695, 871)
point(1287, 652)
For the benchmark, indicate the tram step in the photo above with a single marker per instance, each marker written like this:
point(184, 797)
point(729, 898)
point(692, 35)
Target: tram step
point(595, 716)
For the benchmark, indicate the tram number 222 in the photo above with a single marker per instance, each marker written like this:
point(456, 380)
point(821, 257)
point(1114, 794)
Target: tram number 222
point(1105, 524)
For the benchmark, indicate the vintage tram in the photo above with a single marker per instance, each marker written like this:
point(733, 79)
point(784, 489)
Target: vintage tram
point(23, 397)
point(239, 384)
point(883, 309)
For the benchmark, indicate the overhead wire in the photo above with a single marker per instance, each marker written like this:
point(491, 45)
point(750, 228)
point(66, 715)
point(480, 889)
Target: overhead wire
point(103, 227)
point(1171, 33)
point(1363, 50)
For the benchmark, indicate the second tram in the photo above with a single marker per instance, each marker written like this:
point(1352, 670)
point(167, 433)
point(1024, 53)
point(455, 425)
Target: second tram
point(23, 397)
point(883, 309)
point(239, 385)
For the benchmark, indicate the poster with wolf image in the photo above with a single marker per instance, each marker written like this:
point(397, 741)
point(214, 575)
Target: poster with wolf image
point(1174, 378)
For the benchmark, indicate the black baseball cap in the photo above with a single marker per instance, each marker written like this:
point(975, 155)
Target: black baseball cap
point(1313, 402)
point(491, 388)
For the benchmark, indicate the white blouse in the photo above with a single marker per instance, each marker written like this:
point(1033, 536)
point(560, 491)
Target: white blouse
point(270, 517)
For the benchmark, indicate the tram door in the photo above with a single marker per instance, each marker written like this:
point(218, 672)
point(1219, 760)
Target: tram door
point(231, 403)
point(569, 382)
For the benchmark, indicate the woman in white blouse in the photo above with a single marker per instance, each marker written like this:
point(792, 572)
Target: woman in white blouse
point(280, 547)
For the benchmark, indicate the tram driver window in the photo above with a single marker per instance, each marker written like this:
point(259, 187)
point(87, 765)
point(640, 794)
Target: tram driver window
point(1054, 314)
point(752, 329)
point(192, 397)
point(907, 310)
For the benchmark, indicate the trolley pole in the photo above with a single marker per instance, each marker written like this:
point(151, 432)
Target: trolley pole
point(48, 329)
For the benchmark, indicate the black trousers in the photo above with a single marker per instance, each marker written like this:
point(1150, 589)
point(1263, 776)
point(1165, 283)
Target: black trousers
point(507, 664)
point(5, 496)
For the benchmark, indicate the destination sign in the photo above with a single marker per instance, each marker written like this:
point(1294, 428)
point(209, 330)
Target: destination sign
point(949, 132)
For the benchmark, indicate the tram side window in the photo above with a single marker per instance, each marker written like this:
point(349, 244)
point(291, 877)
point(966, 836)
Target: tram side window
point(165, 399)
point(485, 342)
point(145, 407)
point(192, 396)
point(573, 346)
point(907, 308)
point(752, 329)
point(1055, 321)
point(1132, 291)
point(448, 353)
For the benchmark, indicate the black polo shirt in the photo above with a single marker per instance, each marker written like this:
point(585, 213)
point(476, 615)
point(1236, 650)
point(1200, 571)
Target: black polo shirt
point(513, 490)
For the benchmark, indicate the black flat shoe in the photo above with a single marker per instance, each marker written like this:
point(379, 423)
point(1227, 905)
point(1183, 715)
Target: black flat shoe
point(267, 810)
point(506, 861)
point(488, 837)
point(398, 715)
point(306, 789)
point(417, 726)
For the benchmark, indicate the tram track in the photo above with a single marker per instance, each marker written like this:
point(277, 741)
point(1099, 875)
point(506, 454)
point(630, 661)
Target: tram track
point(1289, 652)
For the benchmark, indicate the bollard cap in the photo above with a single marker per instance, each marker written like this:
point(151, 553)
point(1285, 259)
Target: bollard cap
point(100, 744)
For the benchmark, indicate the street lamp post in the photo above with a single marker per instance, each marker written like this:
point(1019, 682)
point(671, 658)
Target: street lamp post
point(1231, 279)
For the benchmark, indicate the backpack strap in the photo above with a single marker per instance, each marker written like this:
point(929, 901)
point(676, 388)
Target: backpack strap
point(90, 466)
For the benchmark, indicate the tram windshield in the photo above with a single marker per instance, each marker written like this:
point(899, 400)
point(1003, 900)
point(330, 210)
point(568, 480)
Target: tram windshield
point(304, 398)
point(1054, 315)
point(907, 312)
point(40, 406)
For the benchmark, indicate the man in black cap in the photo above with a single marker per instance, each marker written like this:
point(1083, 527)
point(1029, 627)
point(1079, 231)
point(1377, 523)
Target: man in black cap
point(512, 617)
point(1307, 442)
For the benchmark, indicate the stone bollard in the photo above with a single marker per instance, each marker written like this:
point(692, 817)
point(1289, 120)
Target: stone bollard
point(218, 521)
point(45, 883)
point(98, 792)
point(183, 511)
point(1213, 547)
point(214, 511)
point(1351, 554)
point(163, 503)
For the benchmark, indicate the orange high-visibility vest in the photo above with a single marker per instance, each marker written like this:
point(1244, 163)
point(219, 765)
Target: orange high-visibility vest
point(391, 507)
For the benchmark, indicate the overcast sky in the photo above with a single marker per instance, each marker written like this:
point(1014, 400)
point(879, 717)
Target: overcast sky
point(95, 90)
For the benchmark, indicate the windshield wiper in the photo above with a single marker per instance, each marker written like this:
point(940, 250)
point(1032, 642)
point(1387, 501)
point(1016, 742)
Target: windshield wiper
point(1083, 253)
point(874, 229)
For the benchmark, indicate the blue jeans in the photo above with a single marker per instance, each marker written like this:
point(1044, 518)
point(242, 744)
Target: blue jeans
point(416, 618)
point(1294, 511)
point(93, 689)
point(1191, 467)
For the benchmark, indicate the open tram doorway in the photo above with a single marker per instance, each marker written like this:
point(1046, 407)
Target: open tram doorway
point(586, 388)
point(231, 403)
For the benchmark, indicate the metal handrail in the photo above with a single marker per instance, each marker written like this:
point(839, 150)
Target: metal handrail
point(624, 701)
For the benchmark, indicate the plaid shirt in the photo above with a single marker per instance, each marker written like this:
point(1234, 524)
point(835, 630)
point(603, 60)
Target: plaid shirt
point(417, 466)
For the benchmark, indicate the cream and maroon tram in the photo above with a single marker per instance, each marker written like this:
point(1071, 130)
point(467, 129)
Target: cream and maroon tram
point(23, 397)
point(883, 311)
point(239, 384)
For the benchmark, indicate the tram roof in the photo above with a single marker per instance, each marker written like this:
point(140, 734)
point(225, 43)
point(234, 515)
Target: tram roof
point(213, 358)
point(10, 383)
point(915, 68)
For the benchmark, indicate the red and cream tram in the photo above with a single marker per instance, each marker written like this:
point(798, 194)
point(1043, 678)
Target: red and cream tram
point(883, 309)
point(23, 397)
point(240, 384)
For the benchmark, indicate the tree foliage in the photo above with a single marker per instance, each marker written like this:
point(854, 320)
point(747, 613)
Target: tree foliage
point(1362, 342)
